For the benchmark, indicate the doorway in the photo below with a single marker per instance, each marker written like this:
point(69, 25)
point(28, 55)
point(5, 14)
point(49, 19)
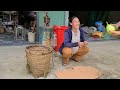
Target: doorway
point(90, 17)
point(82, 15)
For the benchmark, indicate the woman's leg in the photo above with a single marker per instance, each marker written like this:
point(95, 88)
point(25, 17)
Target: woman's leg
point(81, 52)
point(66, 53)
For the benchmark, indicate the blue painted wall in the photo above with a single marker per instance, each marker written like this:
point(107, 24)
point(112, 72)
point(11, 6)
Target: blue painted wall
point(56, 17)
point(59, 18)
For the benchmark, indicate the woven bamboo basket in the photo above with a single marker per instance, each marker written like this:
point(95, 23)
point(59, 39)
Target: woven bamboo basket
point(38, 60)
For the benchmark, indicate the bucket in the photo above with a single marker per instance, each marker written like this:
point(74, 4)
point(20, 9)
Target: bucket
point(31, 37)
point(59, 31)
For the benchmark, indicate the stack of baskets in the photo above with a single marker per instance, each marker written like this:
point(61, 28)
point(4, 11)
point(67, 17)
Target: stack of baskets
point(38, 60)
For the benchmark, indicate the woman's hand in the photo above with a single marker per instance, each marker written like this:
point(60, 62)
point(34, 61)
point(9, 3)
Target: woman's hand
point(85, 43)
point(81, 44)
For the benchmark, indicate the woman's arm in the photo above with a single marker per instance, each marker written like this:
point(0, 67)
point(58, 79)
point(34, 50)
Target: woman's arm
point(115, 32)
point(117, 24)
point(67, 41)
point(83, 36)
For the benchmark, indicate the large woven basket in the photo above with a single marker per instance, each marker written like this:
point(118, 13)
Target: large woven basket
point(38, 60)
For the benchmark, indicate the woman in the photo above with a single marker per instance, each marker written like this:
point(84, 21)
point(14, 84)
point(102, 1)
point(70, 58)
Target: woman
point(74, 45)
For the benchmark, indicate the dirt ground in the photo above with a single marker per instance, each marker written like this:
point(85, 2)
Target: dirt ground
point(103, 55)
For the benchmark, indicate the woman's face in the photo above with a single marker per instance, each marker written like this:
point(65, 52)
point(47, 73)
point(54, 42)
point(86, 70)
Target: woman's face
point(75, 23)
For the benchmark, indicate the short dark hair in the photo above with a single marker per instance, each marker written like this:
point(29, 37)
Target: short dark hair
point(71, 19)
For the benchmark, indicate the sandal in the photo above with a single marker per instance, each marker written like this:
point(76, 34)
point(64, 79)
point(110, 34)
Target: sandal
point(64, 64)
point(75, 60)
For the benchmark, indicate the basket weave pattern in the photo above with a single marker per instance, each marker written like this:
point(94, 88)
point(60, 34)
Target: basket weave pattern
point(38, 60)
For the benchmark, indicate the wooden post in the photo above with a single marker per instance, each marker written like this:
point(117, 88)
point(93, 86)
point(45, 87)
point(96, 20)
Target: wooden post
point(10, 16)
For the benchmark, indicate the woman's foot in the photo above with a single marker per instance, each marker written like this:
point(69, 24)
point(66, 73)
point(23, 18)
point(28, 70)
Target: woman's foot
point(74, 59)
point(64, 64)
point(65, 61)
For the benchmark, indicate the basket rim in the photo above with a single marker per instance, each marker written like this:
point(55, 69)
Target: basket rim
point(49, 49)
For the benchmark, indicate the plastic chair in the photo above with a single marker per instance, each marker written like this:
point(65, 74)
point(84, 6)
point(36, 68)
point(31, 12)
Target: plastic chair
point(19, 30)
